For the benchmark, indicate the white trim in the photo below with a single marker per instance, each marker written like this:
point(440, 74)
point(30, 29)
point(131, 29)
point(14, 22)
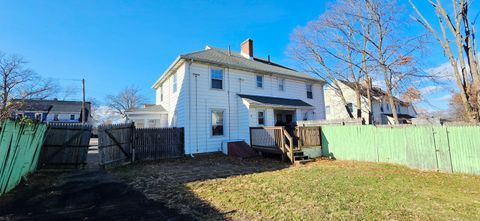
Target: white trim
point(210, 68)
point(211, 122)
point(263, 81)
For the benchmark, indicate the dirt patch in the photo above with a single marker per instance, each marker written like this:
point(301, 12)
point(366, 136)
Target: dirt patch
point(166, 181)
point(80, 195)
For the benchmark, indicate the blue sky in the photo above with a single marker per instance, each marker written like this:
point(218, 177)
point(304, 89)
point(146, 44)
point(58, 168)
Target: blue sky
point(113, 44)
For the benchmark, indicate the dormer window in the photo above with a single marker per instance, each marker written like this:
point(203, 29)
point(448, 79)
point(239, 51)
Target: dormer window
point(217, 78)
point(259, 81)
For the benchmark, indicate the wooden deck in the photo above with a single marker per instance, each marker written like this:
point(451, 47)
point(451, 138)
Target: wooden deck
point(277, 140)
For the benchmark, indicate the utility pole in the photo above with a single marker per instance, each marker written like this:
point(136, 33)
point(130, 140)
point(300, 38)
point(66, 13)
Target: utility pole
point(83, 101)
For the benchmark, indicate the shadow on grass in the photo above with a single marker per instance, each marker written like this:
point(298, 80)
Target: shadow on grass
point(167, 181)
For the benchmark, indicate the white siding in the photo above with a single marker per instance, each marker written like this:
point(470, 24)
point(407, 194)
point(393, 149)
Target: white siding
point(238, 116)
point(337, 110)
point(174, 102)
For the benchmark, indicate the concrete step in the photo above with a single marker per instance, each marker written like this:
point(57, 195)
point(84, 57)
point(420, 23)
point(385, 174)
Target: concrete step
point(302, 162)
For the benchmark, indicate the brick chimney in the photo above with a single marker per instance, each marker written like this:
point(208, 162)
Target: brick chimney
point(246, 48)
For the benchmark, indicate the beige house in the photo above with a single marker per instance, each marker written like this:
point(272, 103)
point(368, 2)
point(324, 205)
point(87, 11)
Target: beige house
point(381, 111)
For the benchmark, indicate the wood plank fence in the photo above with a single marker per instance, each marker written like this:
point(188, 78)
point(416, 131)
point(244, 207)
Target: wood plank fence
point(115, 144)
point(158, 143)
point(122, 143)
point(66, 144)
point(19, 152)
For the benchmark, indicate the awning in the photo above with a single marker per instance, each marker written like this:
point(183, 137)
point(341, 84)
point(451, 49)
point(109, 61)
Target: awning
point(275, 102)
point(400, 115)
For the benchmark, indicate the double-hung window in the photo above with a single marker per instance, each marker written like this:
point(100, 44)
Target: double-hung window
point(161, 92)
point(281, 84)
point(309, 91)
point(217, 78)
point(174, 83)
point(350, 107)
point(261, 118)
point(217, 122)
point(72, 117)
point(259, 79)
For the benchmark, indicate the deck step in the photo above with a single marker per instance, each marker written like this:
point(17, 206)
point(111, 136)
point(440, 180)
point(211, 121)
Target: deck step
point(300, 157)
point(301, 162)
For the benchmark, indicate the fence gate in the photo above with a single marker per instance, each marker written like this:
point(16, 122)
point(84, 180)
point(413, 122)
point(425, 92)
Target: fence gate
point(115, 144)
point(66, 144)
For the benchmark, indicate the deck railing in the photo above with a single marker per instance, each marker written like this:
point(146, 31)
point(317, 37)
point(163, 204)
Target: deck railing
point(274, 140)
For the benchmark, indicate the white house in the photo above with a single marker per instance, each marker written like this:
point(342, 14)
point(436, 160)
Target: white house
point(218, 94)
point(381, 110)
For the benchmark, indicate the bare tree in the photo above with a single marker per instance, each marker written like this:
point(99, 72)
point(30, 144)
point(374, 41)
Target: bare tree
point(20, 82)
point(464, 60)
point(327, 47)
point(127, 98)
point(391, 48)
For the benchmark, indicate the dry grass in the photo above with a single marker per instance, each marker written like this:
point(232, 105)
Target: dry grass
point(322, 190)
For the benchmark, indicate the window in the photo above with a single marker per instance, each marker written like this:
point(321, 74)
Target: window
point(153, 123)
point(217, 122)
point(72, 116)
point(174, 83)
point(19, 116)
point(305, 116)
point(139, 124)
point(261, 118)
point(259, 81)
point(281, 84)
point(161, 92)
point(55, 117)
point(327, 109)
point(350, 107)
point(217, 78)
point(38, 117)
point(309, 91)
point(381, 107)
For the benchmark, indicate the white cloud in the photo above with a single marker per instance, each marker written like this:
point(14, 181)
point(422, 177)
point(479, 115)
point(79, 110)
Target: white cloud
point(443, 72)
point(104, 114)
point(444, 98)
point(430, 89)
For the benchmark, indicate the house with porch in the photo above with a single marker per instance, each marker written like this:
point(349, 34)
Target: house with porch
point(217, 95)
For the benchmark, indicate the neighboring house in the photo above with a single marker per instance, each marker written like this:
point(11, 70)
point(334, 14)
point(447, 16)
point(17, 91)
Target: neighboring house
point(381, 111)
point(218, 94)
point(150, 116)
point(50, 110)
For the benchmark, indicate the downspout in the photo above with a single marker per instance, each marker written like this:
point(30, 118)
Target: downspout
point(196, 111)
point(189, 108)
point(228, 100)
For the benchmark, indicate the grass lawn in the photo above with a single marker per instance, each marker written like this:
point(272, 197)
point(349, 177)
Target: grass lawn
point(322, 190)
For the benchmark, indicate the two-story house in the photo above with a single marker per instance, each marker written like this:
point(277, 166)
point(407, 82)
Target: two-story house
point(218, 94)
point(381, 109)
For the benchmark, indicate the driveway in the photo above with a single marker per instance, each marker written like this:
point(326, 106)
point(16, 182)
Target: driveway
point(80, 195)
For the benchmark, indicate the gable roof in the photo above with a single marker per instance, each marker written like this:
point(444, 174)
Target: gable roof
point(273, 101)
point(231, 59)
point(377, 93)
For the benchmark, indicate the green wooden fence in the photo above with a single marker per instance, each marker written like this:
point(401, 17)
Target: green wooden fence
point(440, 148)
point(19, 151)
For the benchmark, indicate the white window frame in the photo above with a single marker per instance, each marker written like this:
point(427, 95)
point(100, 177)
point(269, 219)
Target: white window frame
point(281, 84)
point(223, 79)
point(258, 117)
point(211, 122)
point(311, 90)
point(174, 83)
point(262, 82)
